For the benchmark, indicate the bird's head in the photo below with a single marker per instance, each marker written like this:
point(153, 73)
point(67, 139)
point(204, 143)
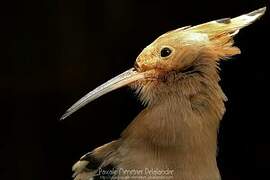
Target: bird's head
point(177, 56)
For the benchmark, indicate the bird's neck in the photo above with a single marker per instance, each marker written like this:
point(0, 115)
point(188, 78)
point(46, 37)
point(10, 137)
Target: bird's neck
point(183, 123)
point(188, 114)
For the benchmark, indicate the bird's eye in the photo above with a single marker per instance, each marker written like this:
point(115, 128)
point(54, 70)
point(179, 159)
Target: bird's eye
point(165, 52)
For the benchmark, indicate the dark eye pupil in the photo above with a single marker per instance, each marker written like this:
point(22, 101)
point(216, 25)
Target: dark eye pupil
point(165, 52)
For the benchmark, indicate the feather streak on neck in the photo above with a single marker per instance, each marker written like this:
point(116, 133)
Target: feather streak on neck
point(184, 113)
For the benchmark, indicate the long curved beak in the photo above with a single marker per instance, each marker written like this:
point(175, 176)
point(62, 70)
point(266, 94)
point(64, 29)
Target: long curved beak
point(121, 80)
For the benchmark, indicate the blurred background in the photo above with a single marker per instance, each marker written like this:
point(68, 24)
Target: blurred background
point(55, 51)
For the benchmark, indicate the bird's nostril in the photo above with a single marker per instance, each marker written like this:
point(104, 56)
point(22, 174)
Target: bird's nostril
point(136, 66)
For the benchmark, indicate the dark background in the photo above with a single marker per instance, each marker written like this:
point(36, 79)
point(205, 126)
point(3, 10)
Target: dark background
point(55, 51)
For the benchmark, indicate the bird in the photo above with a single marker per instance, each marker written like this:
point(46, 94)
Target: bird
point(177, 78)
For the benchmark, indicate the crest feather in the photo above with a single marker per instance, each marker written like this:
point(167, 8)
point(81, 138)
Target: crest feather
point(230, 26)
